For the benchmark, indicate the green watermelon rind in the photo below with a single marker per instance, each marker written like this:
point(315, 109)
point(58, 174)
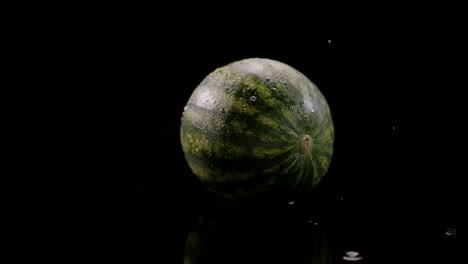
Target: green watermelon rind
point(255, 123)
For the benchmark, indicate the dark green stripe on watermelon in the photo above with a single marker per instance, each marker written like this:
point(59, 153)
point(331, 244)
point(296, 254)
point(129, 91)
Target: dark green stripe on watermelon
point(256, 123)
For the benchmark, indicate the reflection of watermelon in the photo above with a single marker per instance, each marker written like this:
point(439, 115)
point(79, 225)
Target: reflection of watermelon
point(257, 123)
point(239, 238)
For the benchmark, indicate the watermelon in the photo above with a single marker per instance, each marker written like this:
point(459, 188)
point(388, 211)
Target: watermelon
point(257, 124)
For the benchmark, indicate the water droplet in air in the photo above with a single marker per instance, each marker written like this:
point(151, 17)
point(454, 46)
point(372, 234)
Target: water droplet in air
point(451, 232)
point(352, 256)
point(291, 203)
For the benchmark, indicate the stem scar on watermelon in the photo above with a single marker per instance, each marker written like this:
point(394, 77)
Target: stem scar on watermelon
point(305, 144)
point(257, 124)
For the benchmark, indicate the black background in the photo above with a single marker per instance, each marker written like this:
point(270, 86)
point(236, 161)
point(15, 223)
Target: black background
point(394, 84)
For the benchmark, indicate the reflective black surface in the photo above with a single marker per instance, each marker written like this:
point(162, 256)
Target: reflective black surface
point(275, 228)
point(394, 187)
